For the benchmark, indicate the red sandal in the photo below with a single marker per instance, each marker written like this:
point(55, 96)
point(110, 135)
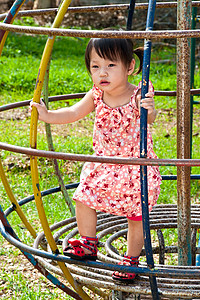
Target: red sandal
point(126, 277)
point(76, 248)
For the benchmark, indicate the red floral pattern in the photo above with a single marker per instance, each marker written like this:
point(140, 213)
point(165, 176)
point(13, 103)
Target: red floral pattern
point(116, 188)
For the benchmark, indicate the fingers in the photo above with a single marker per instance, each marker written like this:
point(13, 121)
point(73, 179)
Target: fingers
point(35, 104)
point(148, 102)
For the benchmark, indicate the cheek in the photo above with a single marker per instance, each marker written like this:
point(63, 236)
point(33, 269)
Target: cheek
point(94, 75)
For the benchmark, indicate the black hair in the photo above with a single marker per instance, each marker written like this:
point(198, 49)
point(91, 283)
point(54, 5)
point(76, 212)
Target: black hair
point(114, 49)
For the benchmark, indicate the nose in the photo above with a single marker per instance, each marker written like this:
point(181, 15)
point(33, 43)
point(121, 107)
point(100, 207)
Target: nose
point(103, 72)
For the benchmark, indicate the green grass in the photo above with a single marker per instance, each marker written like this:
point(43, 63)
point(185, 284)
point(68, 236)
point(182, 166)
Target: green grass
point(19, 67)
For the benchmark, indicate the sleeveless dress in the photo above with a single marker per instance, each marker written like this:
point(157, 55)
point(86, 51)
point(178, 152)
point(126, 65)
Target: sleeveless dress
point(116, 188)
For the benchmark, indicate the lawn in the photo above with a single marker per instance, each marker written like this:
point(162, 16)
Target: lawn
point(19, 67)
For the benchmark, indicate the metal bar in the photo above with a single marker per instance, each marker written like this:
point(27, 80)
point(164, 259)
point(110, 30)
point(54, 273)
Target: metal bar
point(81, 95)
point(143, 151)
point(183, 134)
point(33, 143)
point(84, 9)
point(170, 34)
point(130, 15)
point(11, 15)
point(176, 272)
point(6, 230)
point(51, 147)
point(101, 159)
point(14, 202)
point(192, 59)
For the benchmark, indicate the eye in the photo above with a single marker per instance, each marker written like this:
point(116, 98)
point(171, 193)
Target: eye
point(94, 67)
point(111, 65)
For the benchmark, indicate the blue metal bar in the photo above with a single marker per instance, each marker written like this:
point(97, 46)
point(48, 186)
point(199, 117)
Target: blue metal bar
point(9, 234)
point(130, 15)
point(43, 193)
point(174, 177)
point(143, 151)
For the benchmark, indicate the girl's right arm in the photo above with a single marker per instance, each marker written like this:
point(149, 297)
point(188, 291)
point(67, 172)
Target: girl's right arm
point(67, 114)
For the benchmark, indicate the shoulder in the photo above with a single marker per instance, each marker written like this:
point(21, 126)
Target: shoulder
point(96, 94)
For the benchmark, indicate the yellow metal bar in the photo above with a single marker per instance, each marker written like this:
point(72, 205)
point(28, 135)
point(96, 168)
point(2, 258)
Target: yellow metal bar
point(14, 9)
point(14, 202)
point(33, 143)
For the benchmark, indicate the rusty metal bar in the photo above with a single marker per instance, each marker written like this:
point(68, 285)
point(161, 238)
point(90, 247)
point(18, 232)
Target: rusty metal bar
point(101, 159)
point(85, 9)
point(80, 95)
point(51, 146)
point(184, 10)
point(170, 34)
point(169, 286)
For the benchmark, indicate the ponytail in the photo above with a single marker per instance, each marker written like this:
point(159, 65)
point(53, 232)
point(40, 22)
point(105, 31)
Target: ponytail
point(140, 53)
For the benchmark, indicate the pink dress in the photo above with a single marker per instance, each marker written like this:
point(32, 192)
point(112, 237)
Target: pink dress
point(116, 188)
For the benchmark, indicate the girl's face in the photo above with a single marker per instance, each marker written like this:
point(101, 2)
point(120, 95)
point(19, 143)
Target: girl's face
point(109, 76)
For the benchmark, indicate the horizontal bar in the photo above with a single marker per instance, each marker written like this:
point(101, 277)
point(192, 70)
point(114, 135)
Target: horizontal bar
point(43, 194)
point(170, 34)
point(75, 185)
point(84, 9)
point(101, 159)
point(174, 177)
point(81, 95)
point(189, 271)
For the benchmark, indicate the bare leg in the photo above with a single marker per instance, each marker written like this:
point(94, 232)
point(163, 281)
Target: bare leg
point(86, 247)
point(135, 238)
point(86, 219)
point(134, 247)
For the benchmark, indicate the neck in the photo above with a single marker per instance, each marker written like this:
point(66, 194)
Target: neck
point(119, 97)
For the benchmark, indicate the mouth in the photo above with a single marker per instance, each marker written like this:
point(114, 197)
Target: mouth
point(104, 82)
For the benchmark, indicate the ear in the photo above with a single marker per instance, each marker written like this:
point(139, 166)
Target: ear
point(131, 67)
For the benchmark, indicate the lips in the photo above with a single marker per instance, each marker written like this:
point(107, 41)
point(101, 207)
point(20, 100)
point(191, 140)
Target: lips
point(104, 82)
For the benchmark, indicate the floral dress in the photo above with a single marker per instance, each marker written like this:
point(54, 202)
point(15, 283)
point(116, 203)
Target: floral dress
point(116, 188)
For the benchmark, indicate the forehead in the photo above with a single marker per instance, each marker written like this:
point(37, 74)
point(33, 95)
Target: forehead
point(94, 56)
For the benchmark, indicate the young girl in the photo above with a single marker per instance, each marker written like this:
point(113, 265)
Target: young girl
point(108, 187)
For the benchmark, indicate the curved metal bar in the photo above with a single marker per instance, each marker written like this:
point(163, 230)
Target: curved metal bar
point(166, 284)
point(43, 193)
point(15, 204)
point(192, 272)
point(10, 16)
point(81, 95)
point(9, 19)
point(169, 34)
point(84, 9)
point(6, 230)
point(33, 142)
point(51, 147)
point(101, 159)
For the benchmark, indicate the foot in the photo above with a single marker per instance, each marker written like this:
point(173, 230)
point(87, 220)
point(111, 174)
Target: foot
point(85, 248)
point(126, 277)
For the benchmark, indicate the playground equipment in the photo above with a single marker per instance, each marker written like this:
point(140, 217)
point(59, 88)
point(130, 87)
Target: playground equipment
point(160, 281)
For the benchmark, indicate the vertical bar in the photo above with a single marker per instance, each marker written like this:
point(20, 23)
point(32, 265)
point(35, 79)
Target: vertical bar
point(184, 9)
point(130, 15)
point(143, 152)
point(193, 45)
